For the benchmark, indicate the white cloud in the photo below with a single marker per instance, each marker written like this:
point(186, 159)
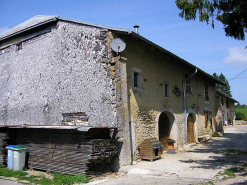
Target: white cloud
point(3, 29)
point(237, 56)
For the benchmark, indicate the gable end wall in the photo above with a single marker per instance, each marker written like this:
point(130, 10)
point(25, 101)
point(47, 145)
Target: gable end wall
point(63, 71)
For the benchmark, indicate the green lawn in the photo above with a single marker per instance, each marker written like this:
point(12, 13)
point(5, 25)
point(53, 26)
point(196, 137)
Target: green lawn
point(243, 111)
point(58, 179)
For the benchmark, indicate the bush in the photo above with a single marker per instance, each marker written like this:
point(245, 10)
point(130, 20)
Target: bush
point(240, 116)
point(215, 134)
point(245, 119)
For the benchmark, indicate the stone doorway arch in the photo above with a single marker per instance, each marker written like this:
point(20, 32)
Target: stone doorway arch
point(167, 129)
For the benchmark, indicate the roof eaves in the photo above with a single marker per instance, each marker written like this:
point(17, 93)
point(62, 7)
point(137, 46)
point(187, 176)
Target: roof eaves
point(177, 57)
point(29, 28)
point(223, 94)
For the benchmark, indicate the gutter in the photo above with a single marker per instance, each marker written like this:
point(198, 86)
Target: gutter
point(185, 106)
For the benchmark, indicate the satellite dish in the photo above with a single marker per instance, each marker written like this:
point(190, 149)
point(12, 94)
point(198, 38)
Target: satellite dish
point(118, 45)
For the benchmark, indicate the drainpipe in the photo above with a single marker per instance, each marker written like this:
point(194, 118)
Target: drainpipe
point(184, 103)
point(221, 111)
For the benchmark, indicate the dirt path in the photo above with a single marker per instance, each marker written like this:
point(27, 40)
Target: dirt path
point(200, 163)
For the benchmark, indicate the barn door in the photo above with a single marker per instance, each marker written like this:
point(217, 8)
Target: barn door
point(190, 129)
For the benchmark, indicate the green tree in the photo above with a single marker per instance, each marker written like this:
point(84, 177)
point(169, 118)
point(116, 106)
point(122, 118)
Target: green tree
point(240, 116)
point(225, 89)
point(243, 106)
point(231, 13)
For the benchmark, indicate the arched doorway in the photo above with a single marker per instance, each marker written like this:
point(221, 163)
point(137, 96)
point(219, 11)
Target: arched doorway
point(190, 129)
point(165, 125)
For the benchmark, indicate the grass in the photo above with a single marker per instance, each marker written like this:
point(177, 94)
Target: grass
point(242, 111)
point(208, 183)
point(232, 153)
point(215, 134)
point(9, 173)
point(230, 173)
point(237, 152)
point(58, 179)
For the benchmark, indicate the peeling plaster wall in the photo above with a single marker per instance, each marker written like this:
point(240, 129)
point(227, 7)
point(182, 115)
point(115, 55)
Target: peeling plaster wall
point(63, 71)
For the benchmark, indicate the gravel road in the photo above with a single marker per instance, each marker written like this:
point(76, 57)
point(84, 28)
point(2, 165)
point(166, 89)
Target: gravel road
point(198, 164)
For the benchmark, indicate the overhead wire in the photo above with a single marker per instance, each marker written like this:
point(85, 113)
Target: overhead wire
point(237, 75)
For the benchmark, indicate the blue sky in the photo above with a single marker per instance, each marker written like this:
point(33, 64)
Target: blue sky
point(196, 42)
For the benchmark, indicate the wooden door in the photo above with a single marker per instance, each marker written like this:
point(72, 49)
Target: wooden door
point(190, 129)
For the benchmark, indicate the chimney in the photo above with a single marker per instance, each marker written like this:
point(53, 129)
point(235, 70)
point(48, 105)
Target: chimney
point(136, 27)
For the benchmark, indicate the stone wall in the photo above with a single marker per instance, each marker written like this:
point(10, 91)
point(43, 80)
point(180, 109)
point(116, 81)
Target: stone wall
point(144, 127)
point(63, 71)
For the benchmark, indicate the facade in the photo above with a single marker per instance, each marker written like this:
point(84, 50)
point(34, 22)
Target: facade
point(225, 110)
point(58, 72)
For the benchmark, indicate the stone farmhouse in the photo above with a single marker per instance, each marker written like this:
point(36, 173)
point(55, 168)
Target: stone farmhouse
point(226, 110)
point(59, 73)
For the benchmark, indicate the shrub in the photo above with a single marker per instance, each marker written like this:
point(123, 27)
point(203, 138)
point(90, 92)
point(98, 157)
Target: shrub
point(240, 116)
point(215, 134)
point(245, 119)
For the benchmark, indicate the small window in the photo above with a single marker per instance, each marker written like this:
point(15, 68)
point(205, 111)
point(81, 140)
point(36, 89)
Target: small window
point(18, 47)
point(136, 78)
point(222, 101)
point(188, 85)
point(166, 89)
point(206, 92)
point(227, 104)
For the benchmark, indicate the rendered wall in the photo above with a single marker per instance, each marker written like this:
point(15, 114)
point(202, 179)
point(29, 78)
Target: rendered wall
point(62, 71)
point(148, 102)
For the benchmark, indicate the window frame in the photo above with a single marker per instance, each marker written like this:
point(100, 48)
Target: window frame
point(222, 101)
point(188, 85)
point(166, 92)
point(136, 78)
point(18, 46)
point(206, 91)
point(227, 104)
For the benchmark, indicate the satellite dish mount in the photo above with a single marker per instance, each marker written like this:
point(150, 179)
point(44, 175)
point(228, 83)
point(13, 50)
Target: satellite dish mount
point(118, 45)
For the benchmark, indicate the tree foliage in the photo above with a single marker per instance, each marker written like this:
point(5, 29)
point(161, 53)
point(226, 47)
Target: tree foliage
point(225, 89)
point(240, 116)
point(239, 106)
point(231, 13)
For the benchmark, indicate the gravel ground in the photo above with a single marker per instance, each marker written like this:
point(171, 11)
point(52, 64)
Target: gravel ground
point(197, 164)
